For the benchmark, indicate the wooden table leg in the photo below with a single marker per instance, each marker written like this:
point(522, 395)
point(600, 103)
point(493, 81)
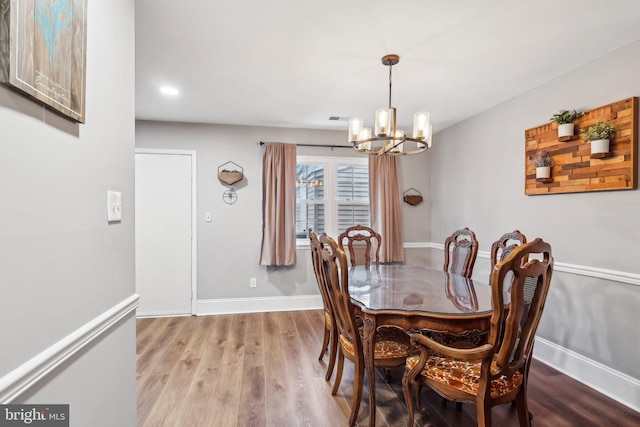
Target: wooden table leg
point(369, 345)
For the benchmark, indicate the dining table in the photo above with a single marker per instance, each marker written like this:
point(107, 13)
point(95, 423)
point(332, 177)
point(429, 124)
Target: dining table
point(453, 309)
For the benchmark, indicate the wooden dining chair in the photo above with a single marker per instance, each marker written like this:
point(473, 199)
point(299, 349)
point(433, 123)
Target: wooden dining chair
point(391, 344)
point(362, 242)
point(496, 372)
point(503, 247)
point(460, 252)
point(330, 338)
point(500, 250)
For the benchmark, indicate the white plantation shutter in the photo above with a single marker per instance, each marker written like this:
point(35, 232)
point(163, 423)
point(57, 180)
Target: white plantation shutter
point(352, 193)
point(332, 194)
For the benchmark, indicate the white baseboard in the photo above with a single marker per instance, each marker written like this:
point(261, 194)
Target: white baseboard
point(29, 373)
point(618, 386)
point(258, 305)
point(160, 314)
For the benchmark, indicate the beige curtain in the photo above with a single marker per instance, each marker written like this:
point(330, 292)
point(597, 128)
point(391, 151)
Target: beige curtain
point(278, 204)
point(384, 196)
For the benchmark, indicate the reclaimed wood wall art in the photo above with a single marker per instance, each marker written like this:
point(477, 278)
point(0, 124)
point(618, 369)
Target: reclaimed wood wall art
point(43, 51)
point(574, 169)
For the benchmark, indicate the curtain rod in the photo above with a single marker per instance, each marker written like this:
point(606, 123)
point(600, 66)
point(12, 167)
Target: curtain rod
point(318, 145)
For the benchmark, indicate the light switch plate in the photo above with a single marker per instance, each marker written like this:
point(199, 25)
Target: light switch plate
point(114, 206)
point(207, 216)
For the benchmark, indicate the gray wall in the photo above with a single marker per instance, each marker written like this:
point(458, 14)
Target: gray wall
point(477, 173)
point(229, 246)
point(473, 176)
point(61, 263)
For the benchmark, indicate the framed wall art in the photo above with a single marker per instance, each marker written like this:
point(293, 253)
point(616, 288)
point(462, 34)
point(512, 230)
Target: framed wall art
point(43, 52)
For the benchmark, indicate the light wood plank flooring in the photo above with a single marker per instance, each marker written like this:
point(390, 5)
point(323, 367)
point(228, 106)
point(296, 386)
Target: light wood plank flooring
point(262, 369)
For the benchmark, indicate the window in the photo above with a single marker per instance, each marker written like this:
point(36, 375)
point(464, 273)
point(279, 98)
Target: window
point(332, 194)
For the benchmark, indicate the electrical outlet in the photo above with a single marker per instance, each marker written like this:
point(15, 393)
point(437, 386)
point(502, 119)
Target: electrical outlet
point(253, 282)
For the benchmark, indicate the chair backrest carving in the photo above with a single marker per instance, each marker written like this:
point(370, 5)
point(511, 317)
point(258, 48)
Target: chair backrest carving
point(336, 271)
point(503, 247)
point(527, 271)
point(316, 258)
point(362, 242)
point(460, 252)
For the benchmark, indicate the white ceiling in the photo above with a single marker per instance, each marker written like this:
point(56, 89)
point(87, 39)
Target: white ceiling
point(295, 63)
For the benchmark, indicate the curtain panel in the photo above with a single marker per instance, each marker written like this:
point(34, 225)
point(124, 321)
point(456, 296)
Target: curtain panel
point(278, 204)
point(386, 216)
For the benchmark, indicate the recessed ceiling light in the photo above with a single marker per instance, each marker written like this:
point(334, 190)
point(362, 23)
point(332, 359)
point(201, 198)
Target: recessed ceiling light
point(169, 90)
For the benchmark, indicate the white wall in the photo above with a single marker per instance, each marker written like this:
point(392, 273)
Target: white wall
point(229, 246)
point(477, 180)
point(61, 264)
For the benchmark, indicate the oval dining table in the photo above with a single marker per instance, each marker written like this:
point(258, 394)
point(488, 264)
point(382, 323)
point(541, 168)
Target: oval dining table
point(454, 309)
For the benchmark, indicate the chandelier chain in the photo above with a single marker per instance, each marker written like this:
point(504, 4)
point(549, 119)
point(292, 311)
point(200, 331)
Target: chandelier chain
point(390, 68)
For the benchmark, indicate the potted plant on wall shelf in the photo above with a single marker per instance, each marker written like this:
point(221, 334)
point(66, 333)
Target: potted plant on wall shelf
point(230, 173)
point(543, 165)
point(230, 176)
point(565, 119)
point(600, 136)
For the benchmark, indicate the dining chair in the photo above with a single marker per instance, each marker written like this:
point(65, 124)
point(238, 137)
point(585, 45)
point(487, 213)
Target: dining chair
point(496, 372)
point(460, 251)
point(500, 250)
point(503, 247)
point(361, 242)
point(330, 338)
point(392, 345)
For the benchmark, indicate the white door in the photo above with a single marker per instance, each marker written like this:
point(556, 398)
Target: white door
point(163, 233)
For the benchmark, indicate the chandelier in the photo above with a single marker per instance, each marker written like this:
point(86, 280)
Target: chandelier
point(387, 139)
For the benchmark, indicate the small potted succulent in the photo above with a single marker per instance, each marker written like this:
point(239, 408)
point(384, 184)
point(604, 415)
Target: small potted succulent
point(543, 165)
point(565, 119)
point(600, 135)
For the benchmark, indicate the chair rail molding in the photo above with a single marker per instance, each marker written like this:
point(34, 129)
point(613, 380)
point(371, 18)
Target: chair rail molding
point(583, 270)
point(600, 273)
point(29, 373)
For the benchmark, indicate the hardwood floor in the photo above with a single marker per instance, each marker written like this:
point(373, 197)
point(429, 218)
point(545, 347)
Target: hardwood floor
point(262, 369)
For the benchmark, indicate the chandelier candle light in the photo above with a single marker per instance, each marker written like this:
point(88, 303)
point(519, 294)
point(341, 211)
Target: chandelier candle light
point(387, 139)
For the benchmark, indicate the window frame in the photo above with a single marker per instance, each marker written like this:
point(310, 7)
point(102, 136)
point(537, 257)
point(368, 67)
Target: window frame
point(331, 164)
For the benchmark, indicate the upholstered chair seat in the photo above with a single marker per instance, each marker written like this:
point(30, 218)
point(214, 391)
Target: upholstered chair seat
point(328, 319)
point(391, 343)
point(464, 375)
